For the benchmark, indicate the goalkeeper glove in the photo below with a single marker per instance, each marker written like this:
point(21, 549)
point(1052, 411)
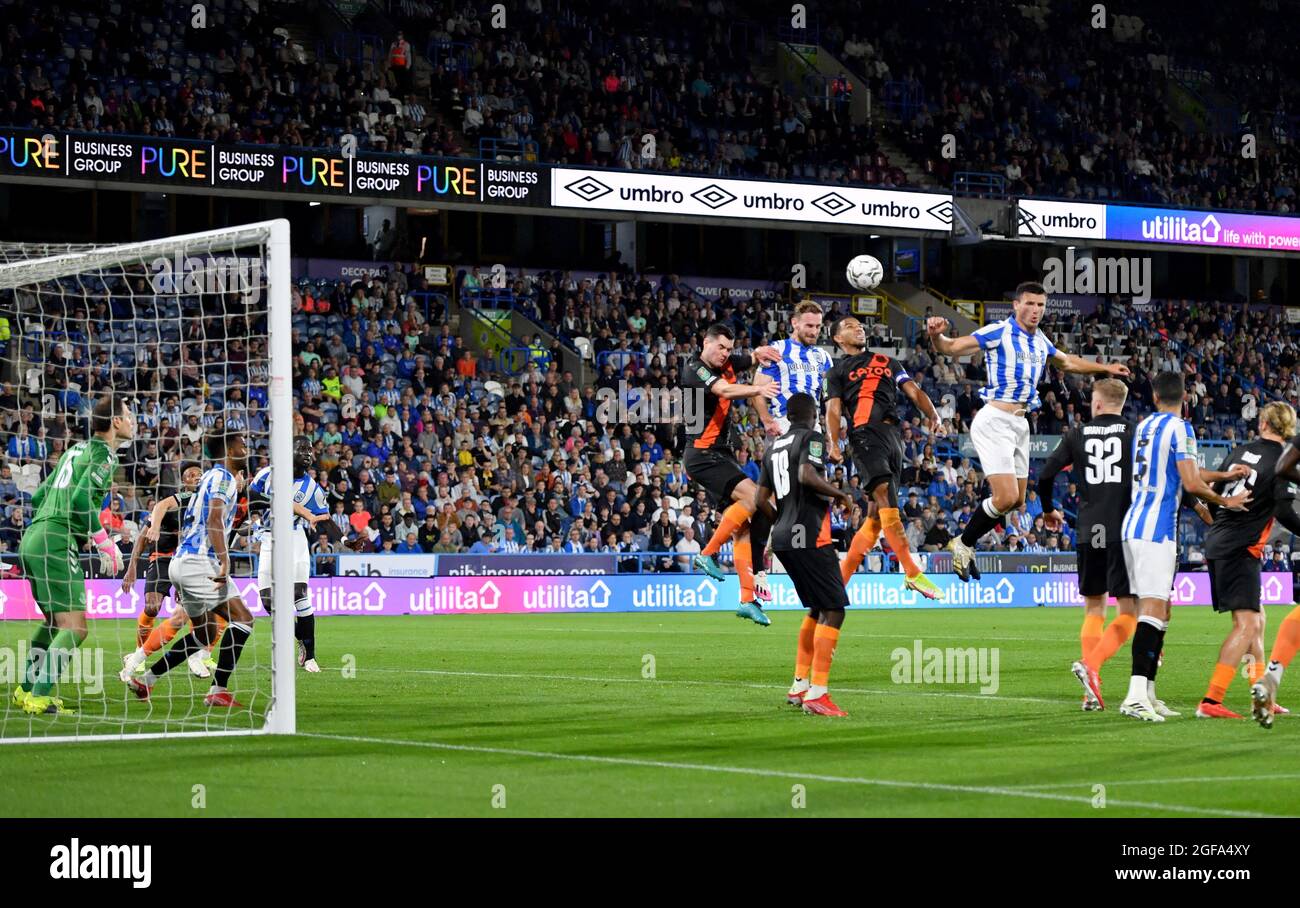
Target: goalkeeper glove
point(110, 557)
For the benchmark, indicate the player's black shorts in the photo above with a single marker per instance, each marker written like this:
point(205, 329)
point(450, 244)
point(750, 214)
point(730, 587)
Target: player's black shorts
point(156, 578)
point(815, 574)
point(877, 455)
point(1102, 568)
point(1234, 582)
point(716, 472)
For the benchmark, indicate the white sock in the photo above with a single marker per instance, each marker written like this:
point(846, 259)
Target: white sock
point(799, 686)
point(148, 679)
point(815, 691)
point(1275, 670)
point(217, 689)
point(139, 654)
point(1151, 691)
point(1137, 688)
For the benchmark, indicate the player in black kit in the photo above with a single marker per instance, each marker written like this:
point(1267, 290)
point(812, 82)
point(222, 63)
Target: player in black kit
point(1234, 545)
point(710, 459)
point(864, 388)
point(793, 469)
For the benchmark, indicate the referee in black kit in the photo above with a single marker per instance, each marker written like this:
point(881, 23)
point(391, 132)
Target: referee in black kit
point(793, 469)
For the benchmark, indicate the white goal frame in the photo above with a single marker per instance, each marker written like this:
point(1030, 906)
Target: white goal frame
point(281, 716)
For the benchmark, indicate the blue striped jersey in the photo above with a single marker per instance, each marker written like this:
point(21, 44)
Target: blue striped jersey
point(217, 484)
point(1014, 362)
point(1159, 443)
point(306, 492)
point(800, 369)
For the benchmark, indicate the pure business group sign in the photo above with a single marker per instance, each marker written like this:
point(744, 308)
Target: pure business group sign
point(654, 192)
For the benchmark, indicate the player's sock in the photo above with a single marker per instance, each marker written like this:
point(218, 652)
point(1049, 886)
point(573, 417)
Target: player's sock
point(744, 569)
point(893, 529)
point(1220, 681)
point(38, 653)
point(1090, 634)
point(304, 627)
point(159, 637)
point(824, 639)
point(232, 645)
point(864, 540)
point(984, 519)
point(61, 648)
point(803, 659)
point(1147, 640)
point(760, 528)
point(1286, 644)
point(221, 630)
point(184, 648)
point(1111, 640)
point(143, 628)
point(733, 518)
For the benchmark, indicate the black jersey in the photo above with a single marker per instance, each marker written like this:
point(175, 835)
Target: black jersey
point(868, 384)
point(712, 429)
point(1235, 531)
point(169, 530)
point(803, 516)
point(1100, 455)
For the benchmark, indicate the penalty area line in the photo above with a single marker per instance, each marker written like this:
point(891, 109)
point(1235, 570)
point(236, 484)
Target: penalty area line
point(780, 774)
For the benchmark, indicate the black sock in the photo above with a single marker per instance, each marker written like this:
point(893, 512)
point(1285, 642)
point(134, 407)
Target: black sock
point(182, 650)
point(1147, 640)
point(304, 629)
point(760, 528)
point(232, 644)
point(980, 523)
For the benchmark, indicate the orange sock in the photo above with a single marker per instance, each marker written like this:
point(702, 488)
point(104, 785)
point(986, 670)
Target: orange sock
point(1257, 670)
point(1090, 634)
point(1111, 640)
point(803, 659)
point(733, 518)
point(893, 528)
point(824, 640)
point(744, 557)
point(221, 629)
point(864, 540)
point(159, 637)
point(1220, 681)
point(143, 627)
point(1288, 639)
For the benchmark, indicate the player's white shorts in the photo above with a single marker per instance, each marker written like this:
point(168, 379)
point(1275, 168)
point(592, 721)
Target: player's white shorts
point(1151, 567)
point(192, 576)
point(1001, 442)
point(301, 560)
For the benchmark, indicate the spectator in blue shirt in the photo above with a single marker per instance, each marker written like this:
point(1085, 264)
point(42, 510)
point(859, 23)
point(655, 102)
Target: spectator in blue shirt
point(656, 450)
point(1032, 504)
point(409, 546)
point(484, 545)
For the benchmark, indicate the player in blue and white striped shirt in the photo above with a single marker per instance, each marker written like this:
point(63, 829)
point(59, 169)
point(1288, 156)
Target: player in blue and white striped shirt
point(1016, 355)
point(1164, 465)
point(309, 509)
point(200, 572)
point(801, 370)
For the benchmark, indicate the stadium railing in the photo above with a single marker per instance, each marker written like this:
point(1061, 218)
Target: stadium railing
point(494, 149)
point(979, 184)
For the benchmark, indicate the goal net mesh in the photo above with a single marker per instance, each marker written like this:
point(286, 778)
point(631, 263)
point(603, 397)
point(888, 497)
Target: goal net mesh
point(181, 329)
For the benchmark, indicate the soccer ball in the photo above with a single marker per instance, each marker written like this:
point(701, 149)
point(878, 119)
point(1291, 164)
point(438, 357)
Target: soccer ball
point(865, 272)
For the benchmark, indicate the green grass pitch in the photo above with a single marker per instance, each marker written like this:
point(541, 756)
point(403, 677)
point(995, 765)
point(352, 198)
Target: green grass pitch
point(545, 715)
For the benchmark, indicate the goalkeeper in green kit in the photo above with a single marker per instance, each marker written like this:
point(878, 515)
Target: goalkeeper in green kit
point(67, 506)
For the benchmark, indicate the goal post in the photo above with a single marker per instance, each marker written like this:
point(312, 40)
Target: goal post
point(194, 328)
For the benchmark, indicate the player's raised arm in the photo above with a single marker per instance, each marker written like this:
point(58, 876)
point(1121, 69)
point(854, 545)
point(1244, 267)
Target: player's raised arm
point(834, 416)
point(1068, 362)
point(763, 380)
point(950, 346)
point(1236, 471)
point(1190, 474)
